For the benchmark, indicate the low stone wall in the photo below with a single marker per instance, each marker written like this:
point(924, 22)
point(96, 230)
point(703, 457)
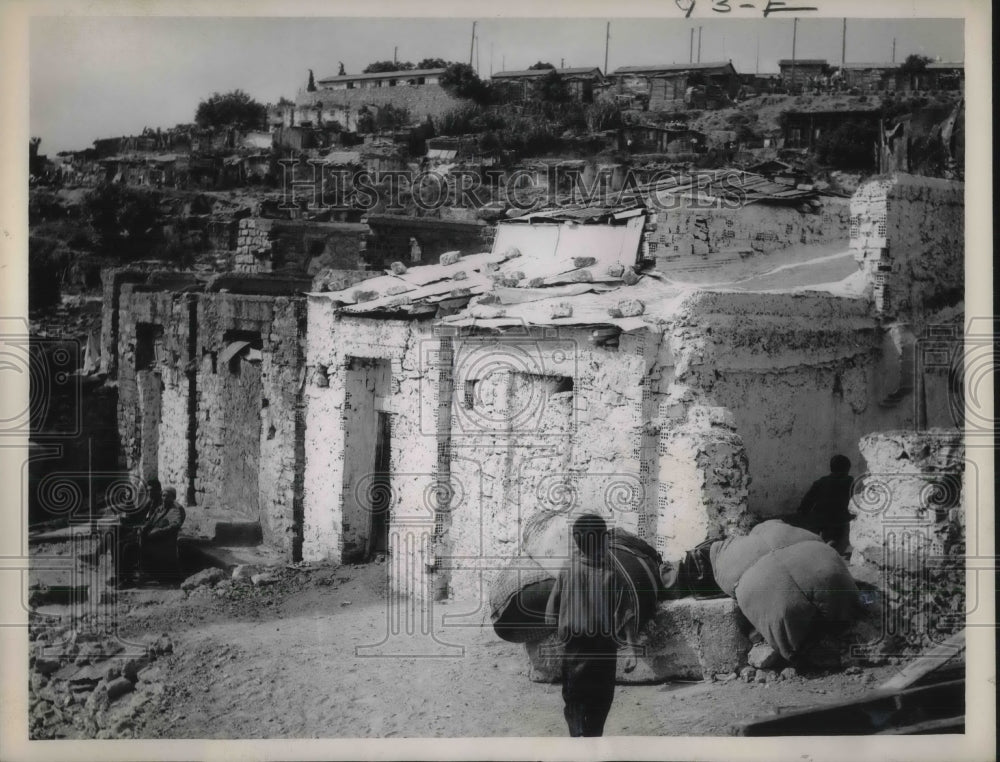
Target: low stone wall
point(687, 639)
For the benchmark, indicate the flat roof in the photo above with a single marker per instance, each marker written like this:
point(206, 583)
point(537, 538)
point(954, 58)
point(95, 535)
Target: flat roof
point(540, 72)
point(404, 74)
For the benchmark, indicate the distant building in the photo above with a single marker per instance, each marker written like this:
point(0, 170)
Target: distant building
point(877, 77)
point(871, 77)
point(381, 79)
point(800, 72)
point(580, 80)
point(666, 85)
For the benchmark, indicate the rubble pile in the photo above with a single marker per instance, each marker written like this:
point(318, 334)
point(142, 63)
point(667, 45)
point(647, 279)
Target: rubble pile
point(85, 683)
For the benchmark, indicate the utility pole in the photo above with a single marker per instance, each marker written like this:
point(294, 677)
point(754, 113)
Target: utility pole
point(795, 29)
point(562, 63)
point(894, 50)
point(491, 59)
point(395, 51)
point(607, 43)
point(756, 58)
point(477, 56)
point(472, 42)
point(699, 44)
point(691, 48)
point(843, 45)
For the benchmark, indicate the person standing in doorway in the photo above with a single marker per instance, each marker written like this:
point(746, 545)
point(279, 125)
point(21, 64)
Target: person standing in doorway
point(593, 607)
point(824, 507)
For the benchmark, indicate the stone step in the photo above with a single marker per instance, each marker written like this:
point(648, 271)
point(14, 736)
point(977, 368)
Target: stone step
point(221, 528)
point(229, 556)
point(688, 639)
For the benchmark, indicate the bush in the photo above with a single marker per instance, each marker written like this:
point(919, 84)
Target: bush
point(852, 145)
point(461, 80)
point(125, 221)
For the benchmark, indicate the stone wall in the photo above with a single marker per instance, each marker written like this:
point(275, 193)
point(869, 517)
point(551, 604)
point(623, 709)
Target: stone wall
point(907, 233)
point(802, 375)
point(268, 245)
point(540, 422)
point(154, 384)
point(336, 398)
point(248, 410)
point(697, 239)
point(225, 443)
point(909, 501)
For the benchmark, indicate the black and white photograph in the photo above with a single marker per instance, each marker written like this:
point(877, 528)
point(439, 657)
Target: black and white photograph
point(498, 382)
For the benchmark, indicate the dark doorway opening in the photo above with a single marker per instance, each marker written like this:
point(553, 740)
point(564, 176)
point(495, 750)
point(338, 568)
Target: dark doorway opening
point(378, 537)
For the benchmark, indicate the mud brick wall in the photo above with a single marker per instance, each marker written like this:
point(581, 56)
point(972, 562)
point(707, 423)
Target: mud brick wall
point(695, 239)
point(227, 432)
point(545, 422)
point(803, 376)
point(335, 394)
point(389, 239)
point(907, 233)
point(153, 403)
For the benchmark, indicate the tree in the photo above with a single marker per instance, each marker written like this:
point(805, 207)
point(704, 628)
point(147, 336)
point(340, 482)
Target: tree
point(340, 69)
point(914, 63)
point(377, 67)
point(552, 89)
point(432, 63)
point(235, 109)
point(311, 87)
point(461, 80)
point(913, 66)
point(541, 65)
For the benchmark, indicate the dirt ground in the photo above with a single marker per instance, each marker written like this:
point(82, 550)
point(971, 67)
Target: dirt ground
point(280, 662)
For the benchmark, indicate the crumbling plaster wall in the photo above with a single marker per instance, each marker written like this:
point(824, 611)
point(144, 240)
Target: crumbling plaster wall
point(280, 321)
point(523, 442)
point(909, 497)
point(411, 349)
point(689, 238)
point(907, 234)
point(158, 393)
point(800, 374)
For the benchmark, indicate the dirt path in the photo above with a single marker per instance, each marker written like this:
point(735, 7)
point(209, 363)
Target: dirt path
point(281, 662)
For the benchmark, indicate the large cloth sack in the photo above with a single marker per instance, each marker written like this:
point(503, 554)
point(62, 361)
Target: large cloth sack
point(787, 582)
point(519, 594)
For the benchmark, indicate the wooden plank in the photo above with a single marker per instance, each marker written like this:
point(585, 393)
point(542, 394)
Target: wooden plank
point(926, 663)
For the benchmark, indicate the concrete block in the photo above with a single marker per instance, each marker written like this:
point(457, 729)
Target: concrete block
point(687, 639)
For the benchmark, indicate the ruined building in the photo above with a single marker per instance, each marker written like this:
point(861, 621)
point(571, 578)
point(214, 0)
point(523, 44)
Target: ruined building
point(429, 411)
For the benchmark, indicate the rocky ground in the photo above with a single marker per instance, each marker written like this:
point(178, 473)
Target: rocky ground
point(273, 655)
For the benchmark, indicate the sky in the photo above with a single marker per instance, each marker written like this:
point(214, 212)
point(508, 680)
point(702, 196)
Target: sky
point(94, 77)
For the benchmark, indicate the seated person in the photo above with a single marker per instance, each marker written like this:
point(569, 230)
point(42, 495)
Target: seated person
point(133, 539)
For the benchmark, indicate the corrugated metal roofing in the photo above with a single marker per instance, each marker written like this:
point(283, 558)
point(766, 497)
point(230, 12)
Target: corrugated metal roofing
point(674, 67)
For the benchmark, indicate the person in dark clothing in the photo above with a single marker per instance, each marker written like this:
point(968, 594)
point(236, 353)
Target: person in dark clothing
point(824, 507)
point(593, 607)
point(156, 519)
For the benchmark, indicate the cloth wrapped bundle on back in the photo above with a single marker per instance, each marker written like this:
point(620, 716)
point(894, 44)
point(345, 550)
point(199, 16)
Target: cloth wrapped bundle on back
point(520, 593)
point(787, 582)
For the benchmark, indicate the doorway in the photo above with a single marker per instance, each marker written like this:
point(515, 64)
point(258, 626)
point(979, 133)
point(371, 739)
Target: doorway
point(367, 459)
